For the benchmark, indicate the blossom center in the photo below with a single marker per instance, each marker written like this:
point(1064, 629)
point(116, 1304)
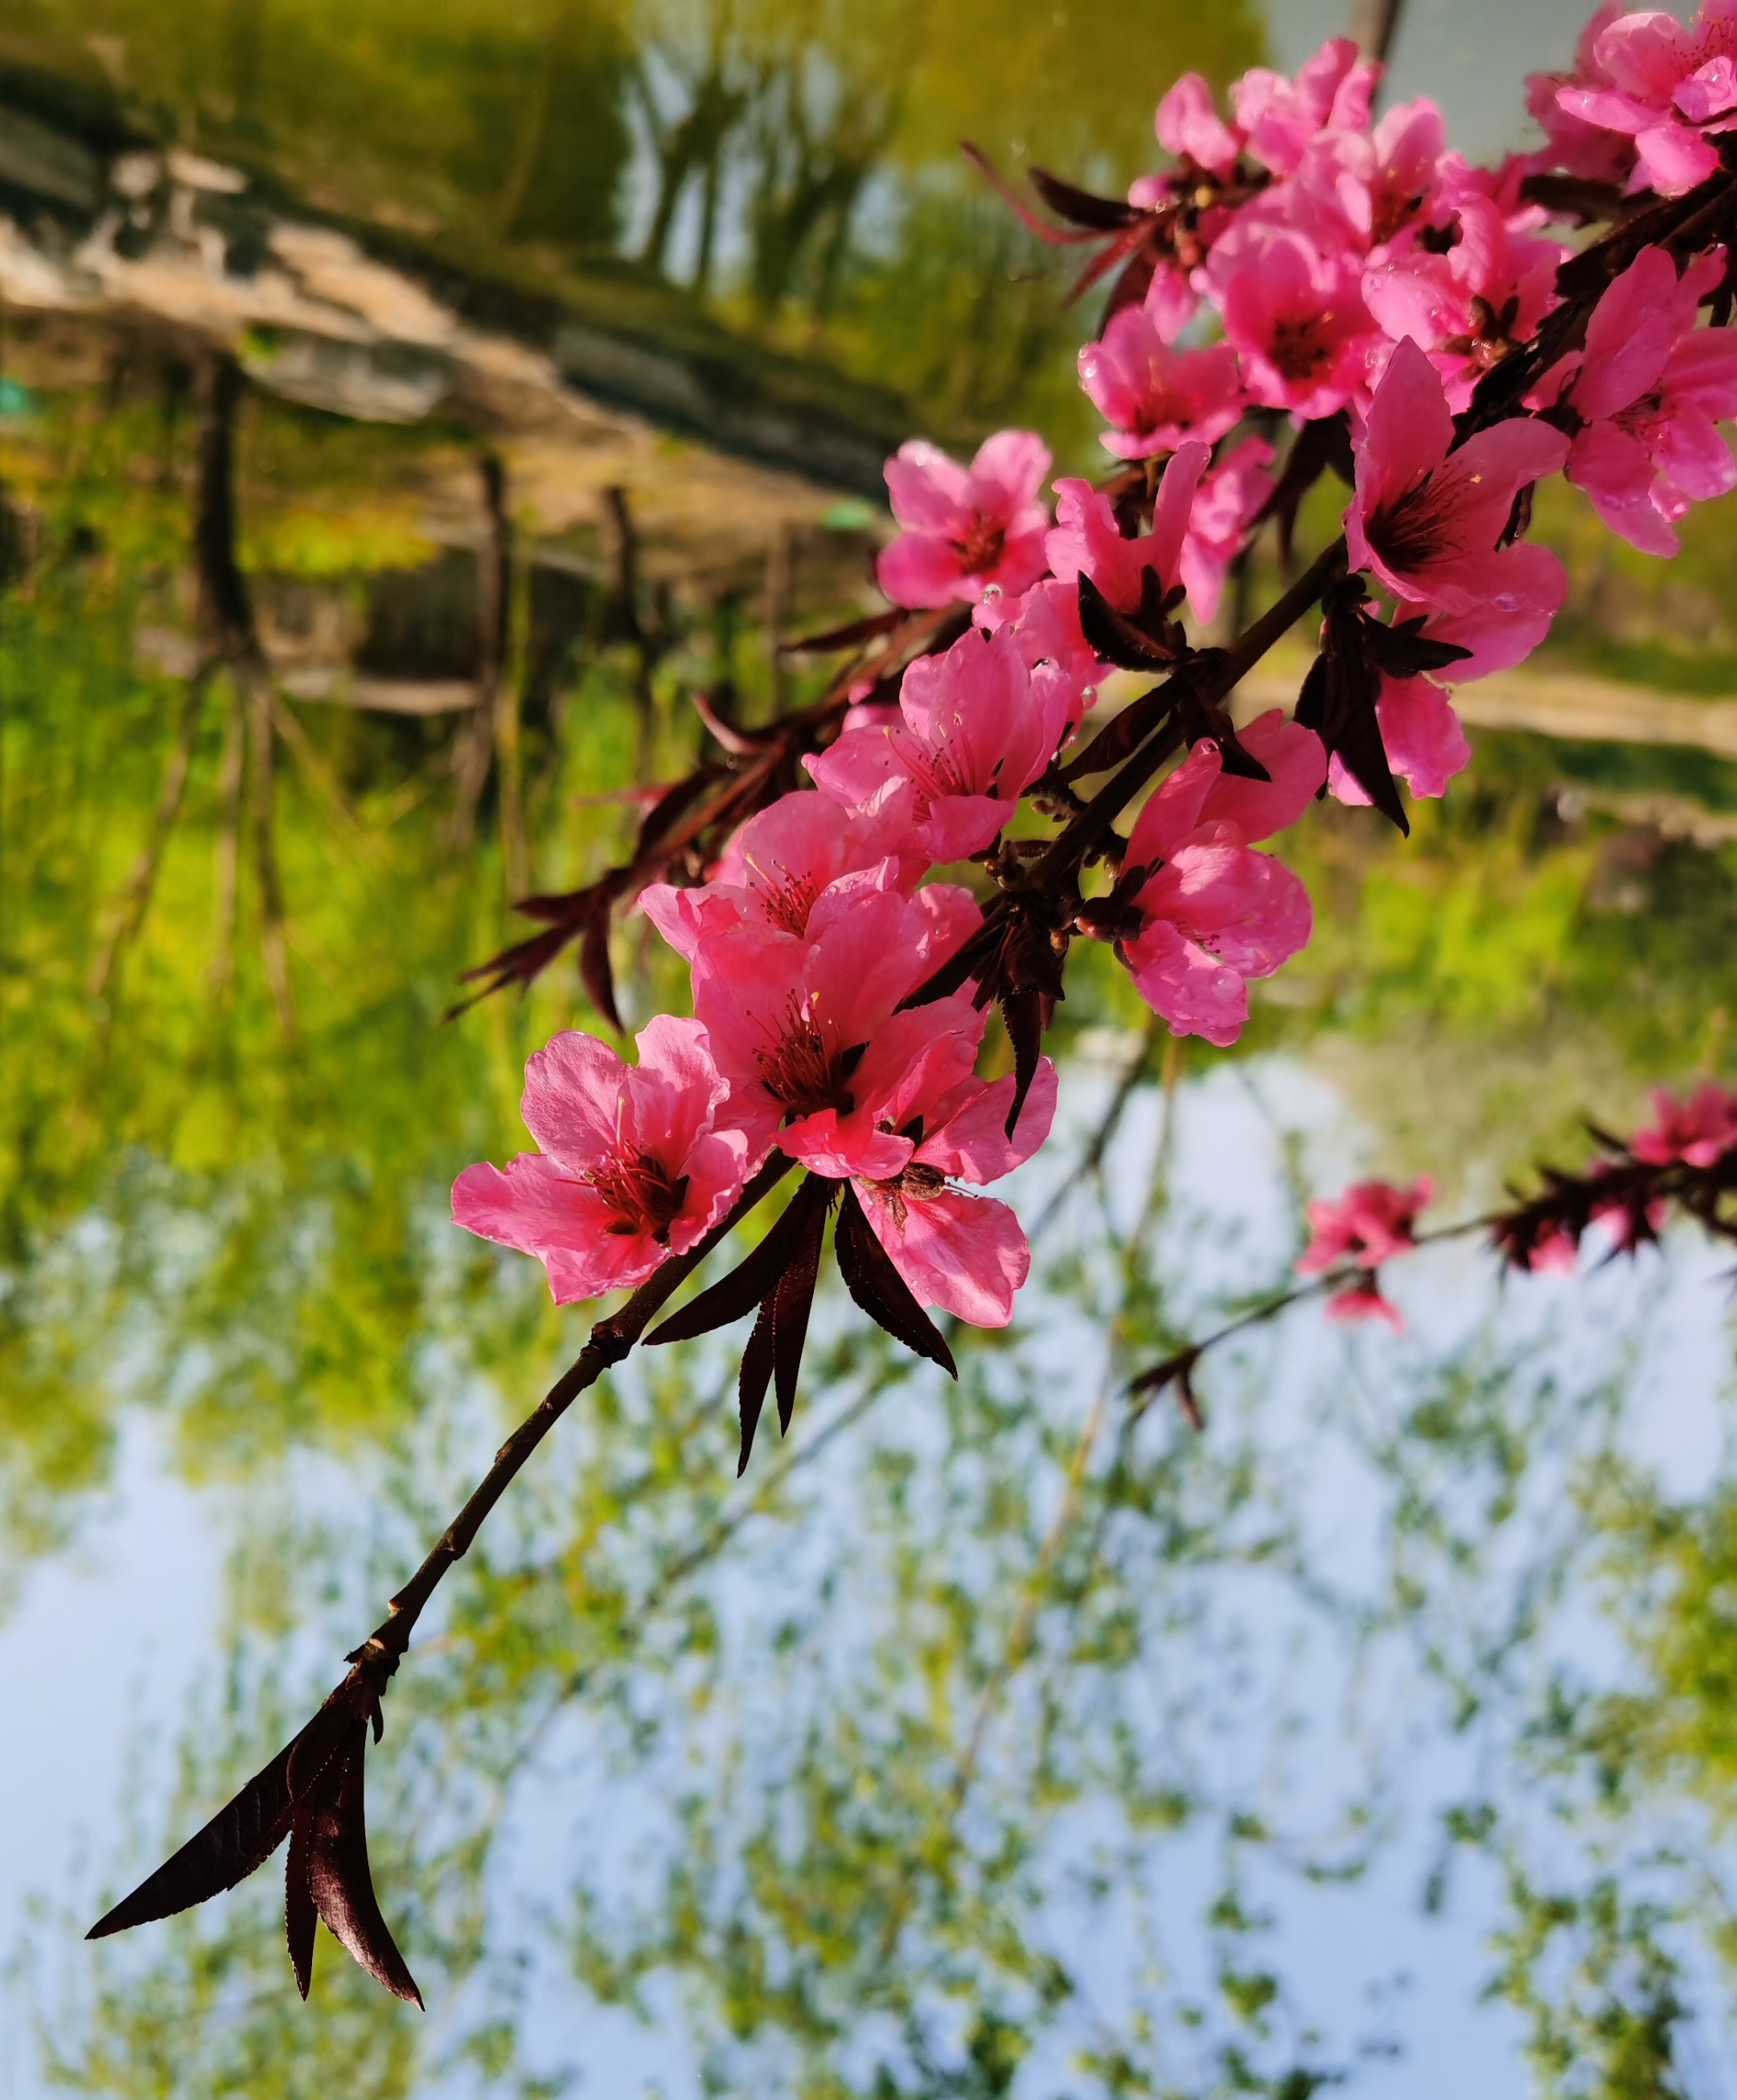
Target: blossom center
point(981, 548)
point(1301, 348)
point(789, 896)
point(1416, 528)
point(639, 1189)
point(800, 1069)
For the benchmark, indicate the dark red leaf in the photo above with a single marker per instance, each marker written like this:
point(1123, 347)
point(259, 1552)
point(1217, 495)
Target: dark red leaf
point(1024, 1014)
point(1121, 738)
point(1132, 286)
point(1057, 236)
point(872, 1280)
point(793, 1299)
point(1321, 447)
point(244, 1833)
point(1404, 650)
point(338, 1879)
point(594, 967)
point(300, 1917)
point(1115, 638)
point(756, 1375)
point(1338, 701)
point(755, 1278)
point(675, 802)
point(851, 636)
point(567, 906)
point(1081, 207)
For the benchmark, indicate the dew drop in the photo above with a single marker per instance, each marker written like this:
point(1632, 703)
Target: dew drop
point(991, 593)
point(1088, 694)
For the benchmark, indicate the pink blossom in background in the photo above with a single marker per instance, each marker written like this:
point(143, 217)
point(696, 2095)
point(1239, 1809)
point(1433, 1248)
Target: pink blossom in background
point(965, 528)
point(1155, 397)
point(1651, 388)
point(1365, 1300)
point(1370, 1223)
point(1425, 744)
point(806, 1032)
point(1279, 117)
point(1088, 541)
point(1697, 1131)
point(778, 865)
point(965, 1254)
point(1225, 504)
point(1426, 517)
point(1297, 318)
point(638, 1162)
point(1188, 125)
point(1215, 913)
point(1668, 87)
point(976, 729)
point(1576, 145)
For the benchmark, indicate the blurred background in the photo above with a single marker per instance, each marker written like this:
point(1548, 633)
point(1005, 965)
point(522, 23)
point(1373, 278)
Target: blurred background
point(985, 1741)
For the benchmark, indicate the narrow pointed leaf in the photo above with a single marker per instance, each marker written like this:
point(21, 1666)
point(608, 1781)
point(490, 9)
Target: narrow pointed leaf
point(594, 966)
point(242, 1835)
point(1102, 214)
point(1057, 236)
point(1132, 286)
point(746, 1286)
point(1114, 638)
point(1121, 738)
point(1024, 1014)
point(851, 636)
point(338, 1879)
point(300, 1917)
point(872, 1280)
point(675, 802)
point(756, 1375)
point(791, 1302)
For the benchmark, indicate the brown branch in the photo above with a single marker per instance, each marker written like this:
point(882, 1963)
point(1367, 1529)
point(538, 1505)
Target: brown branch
point(135, 898)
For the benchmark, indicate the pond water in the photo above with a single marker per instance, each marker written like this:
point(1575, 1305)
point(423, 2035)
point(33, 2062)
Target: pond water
point(986, 1739)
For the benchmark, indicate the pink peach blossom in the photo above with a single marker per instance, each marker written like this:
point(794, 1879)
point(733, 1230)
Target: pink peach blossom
point(780, 862)
point(965, 528)
point(1576, 145)
point(1226, 505)
point(1697, 1131)
point(1449, 292)
point(1652, 389)
point(1279, 117)
point(1370, 1223)
point(1427, 517)
point(638, 1162)
point(1188, 125)
point(964, 1253)
point(976, 729)
point(1215, 913)
point(1088, 541)
point(1669, 88)
point(1155, 397)
point(1297, 316)
point(1045, 629)
point(807, 1032)
point(1365, 1300)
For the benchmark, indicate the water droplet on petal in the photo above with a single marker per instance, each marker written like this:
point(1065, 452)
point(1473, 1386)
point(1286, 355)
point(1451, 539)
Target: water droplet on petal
point(1088, 694)
point(991, 593)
